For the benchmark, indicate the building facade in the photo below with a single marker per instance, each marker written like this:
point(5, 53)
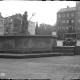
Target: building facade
point(31, 27)
point(8, 25)
point(1, 25)
point(68, 20)
point(12, 24)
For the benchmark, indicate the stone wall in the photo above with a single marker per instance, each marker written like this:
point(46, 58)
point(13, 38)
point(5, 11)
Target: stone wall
point(28, 43)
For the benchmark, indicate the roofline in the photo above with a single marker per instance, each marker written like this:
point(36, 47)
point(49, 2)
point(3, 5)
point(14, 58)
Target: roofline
point(66, 11)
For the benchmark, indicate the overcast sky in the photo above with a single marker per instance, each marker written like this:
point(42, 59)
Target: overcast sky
point(45, 10)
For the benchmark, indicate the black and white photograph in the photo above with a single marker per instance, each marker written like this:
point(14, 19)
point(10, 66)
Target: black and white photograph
point(37, 0)
point(39, 40)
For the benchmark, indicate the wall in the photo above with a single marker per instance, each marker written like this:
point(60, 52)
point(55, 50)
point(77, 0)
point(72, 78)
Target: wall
point(1, 26)
point(27, 43)
point(31, 28)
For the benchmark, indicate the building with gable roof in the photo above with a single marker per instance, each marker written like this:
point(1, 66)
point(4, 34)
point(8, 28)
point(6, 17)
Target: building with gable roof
point(68, 18)
point(1, 25)
point(13, 24)
point(31, 27)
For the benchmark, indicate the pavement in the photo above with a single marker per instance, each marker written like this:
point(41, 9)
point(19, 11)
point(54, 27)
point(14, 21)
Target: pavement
point(54, 68)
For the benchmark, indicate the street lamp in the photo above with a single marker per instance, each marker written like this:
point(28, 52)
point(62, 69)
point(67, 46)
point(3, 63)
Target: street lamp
point(32, 16)
point(30, 19)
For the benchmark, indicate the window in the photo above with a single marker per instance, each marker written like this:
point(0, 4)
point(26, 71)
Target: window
point(71, 35)
point(59, 15)
point(66, 27)
point(67, 14)
point(59, 21)
point(78, 13)
point(72, 21)
point(79, 20)
point(72, 14)
point(63, 21)
point(78, 28)
point(67, 21)
point(1, 22)
point(11, 20)
point(63, 27)
point(63, 15)
point(59, 28)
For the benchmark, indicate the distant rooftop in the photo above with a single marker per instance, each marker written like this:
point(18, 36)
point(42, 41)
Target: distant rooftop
point(67, 9)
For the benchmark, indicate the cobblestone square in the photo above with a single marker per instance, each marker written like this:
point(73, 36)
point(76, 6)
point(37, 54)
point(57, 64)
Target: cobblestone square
point(54, 68)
